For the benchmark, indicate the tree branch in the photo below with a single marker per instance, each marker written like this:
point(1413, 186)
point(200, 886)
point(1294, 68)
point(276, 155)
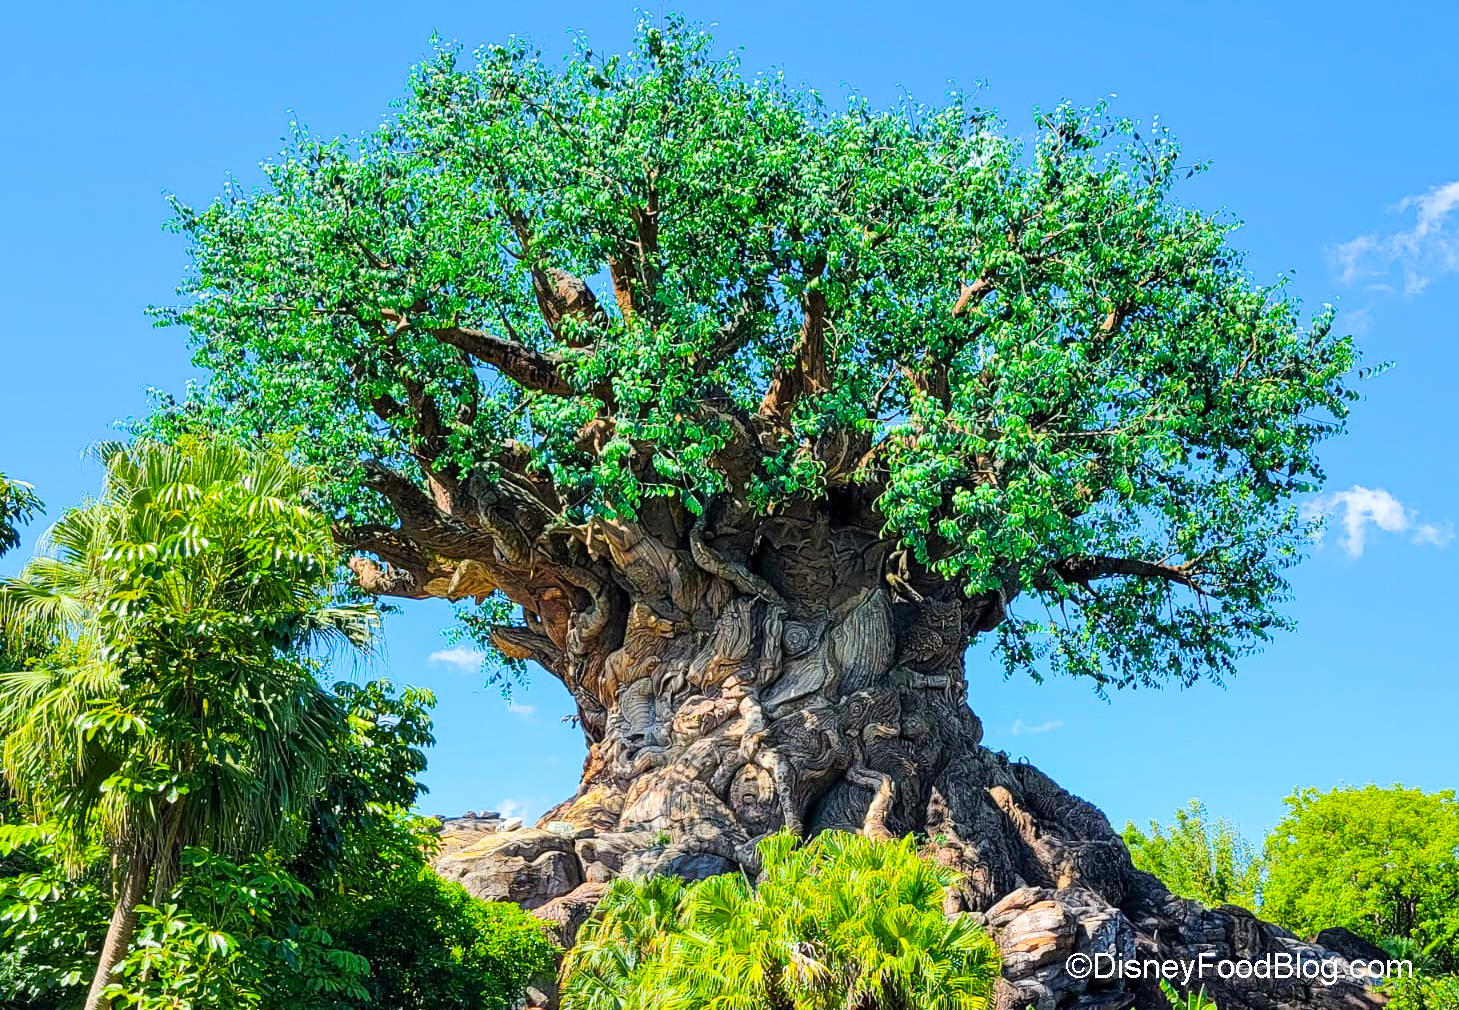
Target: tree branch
point(808, 373)
point(1084, 570)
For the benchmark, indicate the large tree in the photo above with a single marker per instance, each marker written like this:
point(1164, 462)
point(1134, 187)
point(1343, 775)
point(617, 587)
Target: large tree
point(759, 411)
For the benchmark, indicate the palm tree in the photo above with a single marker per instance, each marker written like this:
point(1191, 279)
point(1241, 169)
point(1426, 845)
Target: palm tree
point(841, 922)
point(179, 705)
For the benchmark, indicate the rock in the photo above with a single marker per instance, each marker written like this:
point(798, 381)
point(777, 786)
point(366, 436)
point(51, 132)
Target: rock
point(564, 828)
point(603, 856)
point(678, 862)
point(510, 824)
point(1033, 930)
point(527, 866)
point(566, 914)
point(1350, 945)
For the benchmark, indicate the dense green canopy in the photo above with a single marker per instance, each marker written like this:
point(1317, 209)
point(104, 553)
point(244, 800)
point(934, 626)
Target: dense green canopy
point(1024, 363)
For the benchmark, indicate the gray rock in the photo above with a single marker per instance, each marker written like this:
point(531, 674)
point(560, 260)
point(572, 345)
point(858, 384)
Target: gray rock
point(527, 866)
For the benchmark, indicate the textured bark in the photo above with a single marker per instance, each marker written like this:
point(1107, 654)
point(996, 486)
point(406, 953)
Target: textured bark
point(796, 673)
point(120, 930)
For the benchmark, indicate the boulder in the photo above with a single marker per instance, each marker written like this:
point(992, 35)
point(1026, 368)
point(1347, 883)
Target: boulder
point(1350, 945)
point(566, 914)
point(527, 866)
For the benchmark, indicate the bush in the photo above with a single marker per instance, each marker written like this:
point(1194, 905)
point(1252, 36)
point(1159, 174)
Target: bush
point(431, 946)
point(842, 921)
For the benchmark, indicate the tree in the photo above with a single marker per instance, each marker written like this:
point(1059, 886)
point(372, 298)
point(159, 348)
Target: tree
point(869, 384)
point(350, 921)
point(1381, 862)
point(430, 945)
point(1211, 863)
point(843, 921)
point(180, 710)
point(18, 504)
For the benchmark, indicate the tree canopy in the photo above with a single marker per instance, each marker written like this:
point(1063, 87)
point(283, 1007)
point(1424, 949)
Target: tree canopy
point(18, 504)
point(1381, 862)
point(1196, 858)
point(648, 288)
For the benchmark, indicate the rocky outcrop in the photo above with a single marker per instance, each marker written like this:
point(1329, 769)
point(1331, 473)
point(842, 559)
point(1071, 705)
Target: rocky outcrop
point(800, 673)
point(1041, 931)
point(527, 866)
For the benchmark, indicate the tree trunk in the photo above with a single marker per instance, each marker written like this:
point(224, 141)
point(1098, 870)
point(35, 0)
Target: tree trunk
point(120, 930)
point(824, 690)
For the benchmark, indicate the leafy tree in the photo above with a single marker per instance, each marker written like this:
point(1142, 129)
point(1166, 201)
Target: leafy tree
point(182, 711)
point(431, 946)
point(850, 356)
point(18, 504)
point(352, 920)
point(1383, 862)
point(842, 921)
point(1211, 863)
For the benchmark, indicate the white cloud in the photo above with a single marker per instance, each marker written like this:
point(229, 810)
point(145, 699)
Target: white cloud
point(1419, 253)
point(464, 659)
point(517, 708)
point(1020, 727)
point(1359, 507)
point(509, 808)
point(1433, 533)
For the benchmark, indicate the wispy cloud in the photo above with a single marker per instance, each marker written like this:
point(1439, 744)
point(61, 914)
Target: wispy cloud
point(464, 659)
point(517, 708)
point(1417, 254)
point(1020, 727)
point(509, 808)
point(1359, 508)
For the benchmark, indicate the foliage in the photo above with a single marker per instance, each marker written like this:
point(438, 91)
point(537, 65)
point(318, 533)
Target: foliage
point(179, 707)
point(1423, 992)
point(1381, 862)
point(1211, 863)
point(1190, 1001)
point(841, 921)
point(236, 935)
point(1030, 365)
point(182, 710)
point(18, 504)
point(51, 923)
point(431, 946)
point(354, 920)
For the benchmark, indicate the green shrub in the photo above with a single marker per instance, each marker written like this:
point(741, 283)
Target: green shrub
point(431, 946)
point(1423, 992)
point(841, 921)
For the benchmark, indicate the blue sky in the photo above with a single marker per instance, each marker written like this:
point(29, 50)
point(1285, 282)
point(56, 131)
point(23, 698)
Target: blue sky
point(1331, 131)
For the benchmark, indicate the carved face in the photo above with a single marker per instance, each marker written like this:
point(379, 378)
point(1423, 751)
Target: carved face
point(942, 614)
point(752, 795)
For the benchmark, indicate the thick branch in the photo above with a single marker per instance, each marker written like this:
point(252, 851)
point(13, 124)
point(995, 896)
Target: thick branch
point(1084, 570)
point(527, 368)
point(808, 373)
